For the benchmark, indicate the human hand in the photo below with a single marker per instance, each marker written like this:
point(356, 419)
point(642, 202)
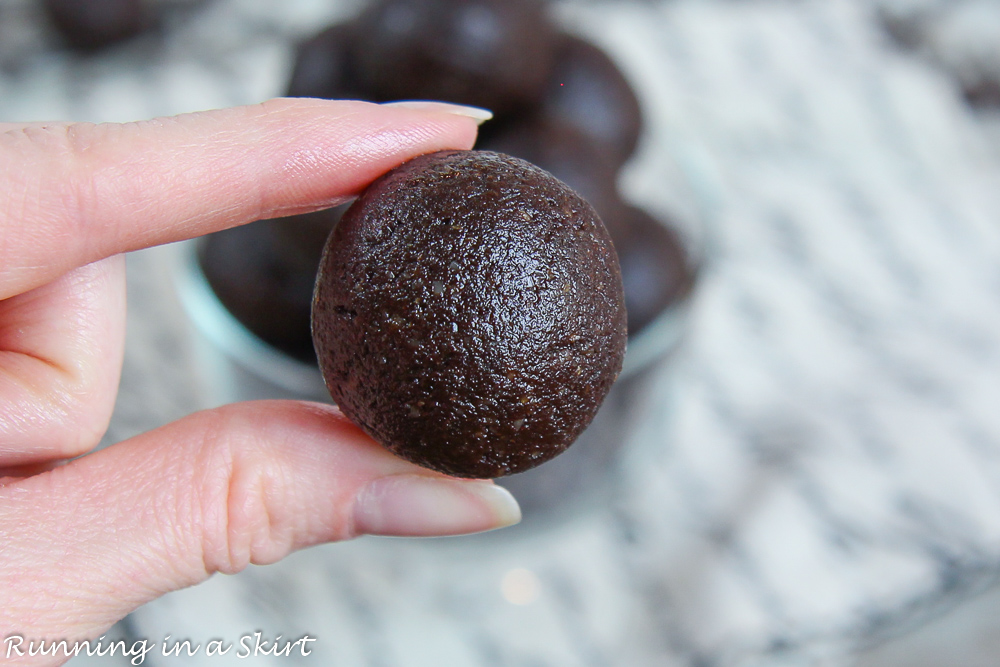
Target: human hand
point(84, 543)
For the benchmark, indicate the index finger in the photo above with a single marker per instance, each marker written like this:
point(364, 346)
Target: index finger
point(74, 193)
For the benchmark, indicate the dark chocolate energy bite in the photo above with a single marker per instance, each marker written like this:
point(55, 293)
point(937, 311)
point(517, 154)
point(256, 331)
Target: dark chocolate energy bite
point(489, 53)
point(587, 91)
point(264, 274)
point(469, 313)
point(325, 66)
point(94, 24)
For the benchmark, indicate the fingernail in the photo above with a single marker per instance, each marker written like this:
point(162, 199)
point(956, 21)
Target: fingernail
point(478, 114)
point(428, 506)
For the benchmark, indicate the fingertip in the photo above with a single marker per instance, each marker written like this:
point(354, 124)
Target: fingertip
point(477, 114)
point(425, 505)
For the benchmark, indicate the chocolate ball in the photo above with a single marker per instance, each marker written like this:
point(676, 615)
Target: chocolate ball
point(264, 274)
point(657, 271)
point(325, 67)
point(588, 92)
point(488, 53)
point(469, 313)
point(562, 150)
point(92, 24)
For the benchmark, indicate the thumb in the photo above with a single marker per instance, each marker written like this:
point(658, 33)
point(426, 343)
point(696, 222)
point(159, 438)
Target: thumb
point(85, 544)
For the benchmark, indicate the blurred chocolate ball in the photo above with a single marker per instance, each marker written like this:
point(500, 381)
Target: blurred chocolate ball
point(587, 91)
point(563, 151)
point(264, 274)
point(657, 272)
point(984, 92)
point(93, 24)
point(325, 67)
point(489, 53)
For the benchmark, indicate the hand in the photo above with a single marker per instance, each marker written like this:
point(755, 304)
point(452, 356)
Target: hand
point(84, 543)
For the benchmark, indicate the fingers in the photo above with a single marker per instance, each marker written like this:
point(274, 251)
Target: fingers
point(75, 193)
point(86, 543)
point(61, 348)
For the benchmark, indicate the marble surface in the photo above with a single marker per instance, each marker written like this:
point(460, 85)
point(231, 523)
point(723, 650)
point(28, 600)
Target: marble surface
point(820, 473)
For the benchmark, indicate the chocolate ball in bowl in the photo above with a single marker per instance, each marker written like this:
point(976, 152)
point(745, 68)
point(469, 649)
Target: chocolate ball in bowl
point(488, 53)
point(588, 92)
point(264, 274)
point(469, 313)
point(92, 24)
point(657, 270)
point(300, 238)
point(325, 66)
point(562, 150)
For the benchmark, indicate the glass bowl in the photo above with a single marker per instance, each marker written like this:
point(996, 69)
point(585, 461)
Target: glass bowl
point(236, 366)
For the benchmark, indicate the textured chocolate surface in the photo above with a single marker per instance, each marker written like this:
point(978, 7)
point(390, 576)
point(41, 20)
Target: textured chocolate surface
point(489, 53)
point(469, 313)
point(587, 91)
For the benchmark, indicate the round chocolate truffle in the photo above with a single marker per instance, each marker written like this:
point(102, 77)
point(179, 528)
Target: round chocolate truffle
point(587, 91)
point(656, 269)
point(325, 67)
point(97, 23)
point(489, 53)
point(589, 168)
point(469, 313)
point(264, 274)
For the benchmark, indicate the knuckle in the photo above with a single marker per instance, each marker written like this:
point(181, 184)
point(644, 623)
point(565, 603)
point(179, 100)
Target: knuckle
point(244, 507)
point(55, 415)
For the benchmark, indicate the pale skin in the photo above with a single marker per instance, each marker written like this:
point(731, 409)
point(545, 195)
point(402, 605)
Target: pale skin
point(84, 543)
